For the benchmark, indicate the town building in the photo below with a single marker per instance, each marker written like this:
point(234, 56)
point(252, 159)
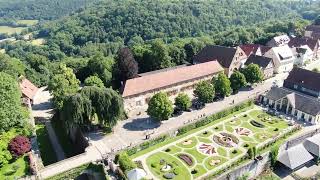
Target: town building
point(302, 55)
point(279, 41)
point(301, 106)
point(304, 81)
point(282, 57)
point(28, 90)
point(230, 58)
point(138, 91)
point(313, 44)
point(312, 31)
point(265, 64)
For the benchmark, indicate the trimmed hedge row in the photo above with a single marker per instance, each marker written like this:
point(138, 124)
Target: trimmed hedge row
point(214, 117)
point(125, 162)
point(146, 144)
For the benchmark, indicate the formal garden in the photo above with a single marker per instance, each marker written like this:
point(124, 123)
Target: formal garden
point(214, 147)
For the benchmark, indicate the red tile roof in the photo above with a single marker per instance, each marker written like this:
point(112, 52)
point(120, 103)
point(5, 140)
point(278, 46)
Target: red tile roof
point(249, 48)
point(27, 88)
point(172, 77)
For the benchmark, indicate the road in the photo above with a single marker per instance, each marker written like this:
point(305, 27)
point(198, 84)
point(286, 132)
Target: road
point(132, 131)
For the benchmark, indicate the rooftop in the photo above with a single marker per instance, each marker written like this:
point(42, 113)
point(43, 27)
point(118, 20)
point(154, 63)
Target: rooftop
point(295, 156)
point(27, 88)
point(171, 77)
point(261, 61)
point(304, 78)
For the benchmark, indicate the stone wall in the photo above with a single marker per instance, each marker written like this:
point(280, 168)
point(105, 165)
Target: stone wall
point(252, 168)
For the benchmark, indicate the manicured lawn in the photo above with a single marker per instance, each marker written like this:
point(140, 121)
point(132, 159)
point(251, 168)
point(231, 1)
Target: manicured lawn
point(198, 171)
point(217, 143)
point(48, 155)
point(28, 22)
point(16, 169)
point(196, 154)
point(155, 166)
point(173, 150)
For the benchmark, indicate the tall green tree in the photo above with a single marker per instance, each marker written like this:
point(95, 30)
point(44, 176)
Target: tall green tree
point(183, 101)
point(63, 84)
point(160, 107)
point(222, 85)
point(204, 91)
point(102, 67)
point(93, 81)
point(253, 73)
point(11, 111)
point(237, 80)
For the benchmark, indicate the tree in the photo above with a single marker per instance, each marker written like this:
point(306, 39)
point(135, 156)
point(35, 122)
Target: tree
point(204, 91)
point(101, 66)
point(125, 163)
point(11, 111)
point(274, 155)
point(222, 85)
point(63, 84)
point(93, 81)
point(127, 65)
point(250, 153)
point(183, 101)
point(19, 145)
point(160, 107)
point(237, 80)
point(253, 73)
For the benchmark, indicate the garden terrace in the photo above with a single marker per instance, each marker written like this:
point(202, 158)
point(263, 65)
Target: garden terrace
point(214, 147)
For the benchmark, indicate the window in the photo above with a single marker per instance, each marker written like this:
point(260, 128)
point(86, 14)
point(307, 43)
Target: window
point(310, 118)
point(295, 86)
point(295, 112)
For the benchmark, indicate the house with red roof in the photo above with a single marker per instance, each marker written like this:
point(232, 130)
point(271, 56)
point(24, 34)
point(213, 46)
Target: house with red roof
point(138, 91)
point(28, 90)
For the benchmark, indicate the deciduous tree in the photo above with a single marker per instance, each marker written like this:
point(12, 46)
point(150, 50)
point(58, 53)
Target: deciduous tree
point(253, 73)
point(237, 80)
point(19, 145)
point(93, 81)
point(160, 107)
point(183, 101)
point(204, 91)
point(63, 84)
point(222, 85)
point(127, 65)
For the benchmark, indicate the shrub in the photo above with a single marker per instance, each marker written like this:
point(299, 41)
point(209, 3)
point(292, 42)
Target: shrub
point(125, 163)
point(250, 153)
point(194, 171)
point(168, 150)
point(19, 145)
point(234, 152)
point(176, 171)
point(153, 165)
point(276, 129)
point(246, 145)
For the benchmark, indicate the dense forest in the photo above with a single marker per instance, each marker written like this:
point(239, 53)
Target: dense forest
point(159, 33)
point(40, 9)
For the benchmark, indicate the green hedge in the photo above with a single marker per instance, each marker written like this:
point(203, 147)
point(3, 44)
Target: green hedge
point(125, 162)
point(214, 117)
point(146, 144)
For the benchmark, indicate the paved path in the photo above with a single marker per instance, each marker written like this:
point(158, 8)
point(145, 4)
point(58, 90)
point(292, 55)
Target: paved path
point(132, 131)
point(42, 111)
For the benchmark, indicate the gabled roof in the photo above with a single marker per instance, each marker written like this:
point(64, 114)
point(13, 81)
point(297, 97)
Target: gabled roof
point(295, 157)
point(264, 49)
point(249, 48)
point(312, 144)
point(304, 78)
point(283, 52)
point(298, 42)
point(313, 28)
point(304, 103)
point(261, 61)
point(280, 40)
point(27, 88)
point(224, 55)
point(161, 80)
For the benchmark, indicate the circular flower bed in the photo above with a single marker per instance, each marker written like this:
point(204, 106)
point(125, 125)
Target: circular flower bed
point(226, 139)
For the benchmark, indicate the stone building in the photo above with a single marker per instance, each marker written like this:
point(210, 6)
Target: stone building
point(28, 91)
point(230, 58)
point(282, 57)
point(138, 91)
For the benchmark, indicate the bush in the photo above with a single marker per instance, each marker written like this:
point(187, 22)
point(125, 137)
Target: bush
point(194, 171)
point(176, 171)
point(168, 150)
point(19, 145)
point(256, 124)
point(276, 129)
point(153, 165)
point(125, 163)
point(234, 152)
